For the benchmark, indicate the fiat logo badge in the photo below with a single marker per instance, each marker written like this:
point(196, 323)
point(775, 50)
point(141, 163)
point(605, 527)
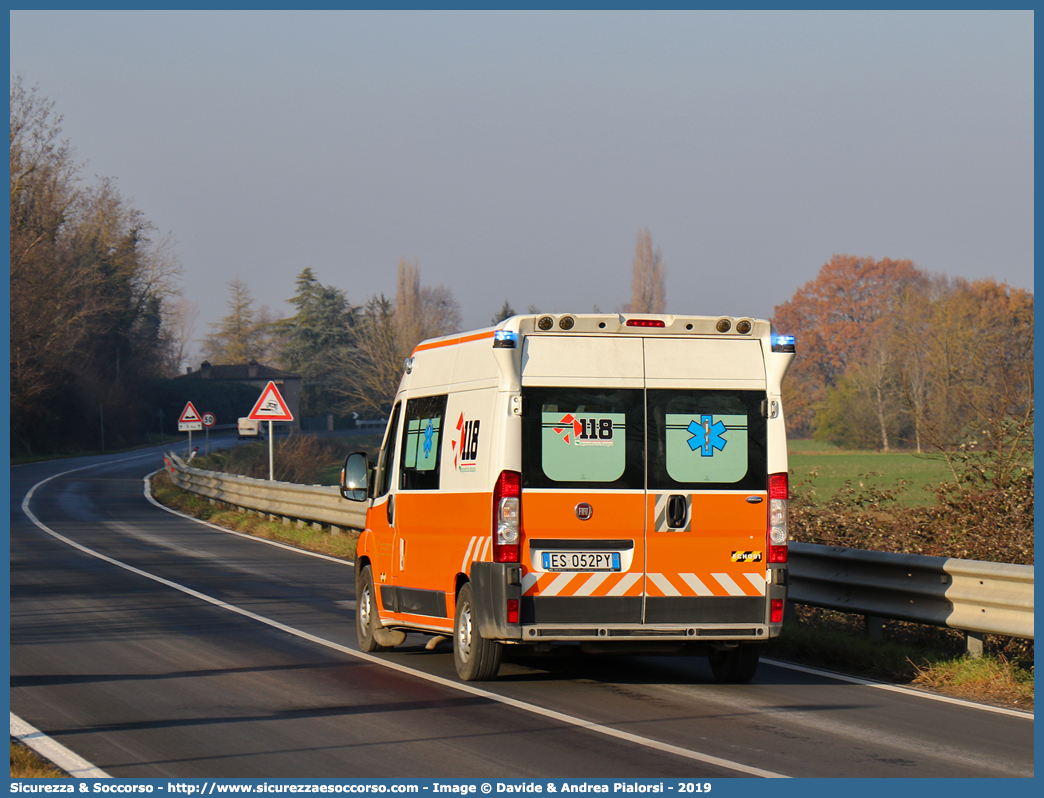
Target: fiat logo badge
point(584, 511)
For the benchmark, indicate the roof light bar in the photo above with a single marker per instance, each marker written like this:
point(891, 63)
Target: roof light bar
point(783, 343)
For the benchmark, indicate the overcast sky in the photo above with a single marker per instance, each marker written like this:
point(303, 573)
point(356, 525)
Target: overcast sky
point(516, 155)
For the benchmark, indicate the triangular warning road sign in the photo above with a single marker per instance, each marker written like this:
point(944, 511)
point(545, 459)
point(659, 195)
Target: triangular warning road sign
point(189, 414)
point(271, 407)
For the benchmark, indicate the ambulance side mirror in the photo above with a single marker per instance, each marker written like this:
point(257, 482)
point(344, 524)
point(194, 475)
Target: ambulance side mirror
point(355, 477)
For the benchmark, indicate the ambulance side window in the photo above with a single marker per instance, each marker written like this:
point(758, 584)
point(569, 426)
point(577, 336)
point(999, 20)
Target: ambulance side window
point(422, 443)
point(386, 466)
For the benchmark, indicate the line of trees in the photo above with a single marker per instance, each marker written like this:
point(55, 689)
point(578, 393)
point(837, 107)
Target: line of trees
point(350, 357)
point(93, 290)
point(890, 356)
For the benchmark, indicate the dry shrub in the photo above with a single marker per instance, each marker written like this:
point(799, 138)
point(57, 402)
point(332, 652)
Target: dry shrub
point(27, 764)
point(990, 679)
point(299, 459)
point(978, 521)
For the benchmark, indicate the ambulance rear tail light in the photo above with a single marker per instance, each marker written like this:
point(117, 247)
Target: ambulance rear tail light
point(646, 323)
point(776, 611)
point(507, 517)
point(778, 535)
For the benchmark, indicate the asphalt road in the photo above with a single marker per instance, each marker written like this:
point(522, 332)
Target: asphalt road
point(156, 646)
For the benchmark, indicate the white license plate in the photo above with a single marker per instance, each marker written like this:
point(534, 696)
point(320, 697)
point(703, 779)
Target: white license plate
point(581, 560)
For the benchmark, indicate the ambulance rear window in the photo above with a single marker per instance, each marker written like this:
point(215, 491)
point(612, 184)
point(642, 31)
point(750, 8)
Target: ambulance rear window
point(707, 439)
point(581, 437)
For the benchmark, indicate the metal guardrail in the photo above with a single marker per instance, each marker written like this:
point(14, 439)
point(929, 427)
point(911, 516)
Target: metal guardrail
point(972, 596)
point(310, 503)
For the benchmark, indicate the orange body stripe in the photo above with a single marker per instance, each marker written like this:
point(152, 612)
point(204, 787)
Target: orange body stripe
point(463, 339)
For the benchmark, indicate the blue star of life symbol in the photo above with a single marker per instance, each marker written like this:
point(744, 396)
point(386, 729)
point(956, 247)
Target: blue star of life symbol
point(429, 435)
point(706, 436)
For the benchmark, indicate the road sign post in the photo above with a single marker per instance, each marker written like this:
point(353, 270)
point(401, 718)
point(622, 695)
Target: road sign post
point(209, 420)
point(188, 421)
point(270, 407)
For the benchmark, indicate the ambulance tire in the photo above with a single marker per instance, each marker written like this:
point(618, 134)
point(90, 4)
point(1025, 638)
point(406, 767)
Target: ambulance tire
point(366, 612)
point(477, 659)
point(735, 665)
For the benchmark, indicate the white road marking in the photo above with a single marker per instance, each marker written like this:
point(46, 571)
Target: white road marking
point(895, 688)
point(52, 750)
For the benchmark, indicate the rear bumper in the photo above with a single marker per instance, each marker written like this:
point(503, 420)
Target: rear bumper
point(648, 633)
point(613, 621)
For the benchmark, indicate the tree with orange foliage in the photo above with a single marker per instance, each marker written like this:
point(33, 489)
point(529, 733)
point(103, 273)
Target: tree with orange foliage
point(966, 371)
point(844, 320)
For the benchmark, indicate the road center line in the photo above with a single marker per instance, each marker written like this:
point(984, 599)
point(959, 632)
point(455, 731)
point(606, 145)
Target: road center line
point(453, 685)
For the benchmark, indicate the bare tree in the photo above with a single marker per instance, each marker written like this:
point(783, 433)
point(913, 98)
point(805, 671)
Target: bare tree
point(48, 318)
point(179, 326)
point(408, 318)
point(440, 313)
point(370, 370)
point(648, 281)
point(387, 334)
point(422, 312)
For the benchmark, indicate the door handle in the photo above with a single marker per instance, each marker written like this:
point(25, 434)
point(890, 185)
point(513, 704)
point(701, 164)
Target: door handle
point(677, 511)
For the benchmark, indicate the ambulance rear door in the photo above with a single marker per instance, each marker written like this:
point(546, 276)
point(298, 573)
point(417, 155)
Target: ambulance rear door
point(707, 477)
point(583, 481)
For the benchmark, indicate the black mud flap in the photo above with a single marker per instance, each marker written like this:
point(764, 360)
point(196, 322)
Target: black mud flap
point(492, 585)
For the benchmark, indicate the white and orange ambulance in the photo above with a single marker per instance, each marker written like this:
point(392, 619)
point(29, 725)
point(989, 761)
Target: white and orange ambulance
point(616, 483)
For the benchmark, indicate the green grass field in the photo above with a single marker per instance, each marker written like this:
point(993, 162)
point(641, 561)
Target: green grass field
point(835, 466)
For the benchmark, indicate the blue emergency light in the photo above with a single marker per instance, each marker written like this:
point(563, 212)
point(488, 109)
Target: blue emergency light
point(505, 339)
point(783, 343)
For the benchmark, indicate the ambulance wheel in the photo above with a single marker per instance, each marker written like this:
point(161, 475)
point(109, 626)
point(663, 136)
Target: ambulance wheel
point(477, 659)
point(366, 612)
point(735, 665)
